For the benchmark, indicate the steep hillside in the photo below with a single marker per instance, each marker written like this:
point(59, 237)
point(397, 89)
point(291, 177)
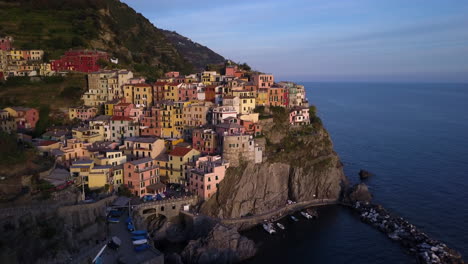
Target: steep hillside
point(199, 55)
point(300, 165)
point(56, 26)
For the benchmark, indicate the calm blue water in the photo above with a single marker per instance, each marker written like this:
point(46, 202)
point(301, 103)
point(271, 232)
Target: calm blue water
point(414, 137)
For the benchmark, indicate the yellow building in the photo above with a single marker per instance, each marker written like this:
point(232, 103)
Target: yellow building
point(117, 176)
point(45, 69)
point(163, 163)
point(109, 107)
point(208, 77)
point(172, 122)
point(139, 94)
point(87, 135)
point(99, 176)
point(179, 157)
point(247, 105)
point(91, 175)
point(110, 157)
point(263, 97)
point(171, 91)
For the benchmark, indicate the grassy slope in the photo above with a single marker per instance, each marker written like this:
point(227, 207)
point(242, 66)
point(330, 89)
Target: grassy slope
point(60, 93)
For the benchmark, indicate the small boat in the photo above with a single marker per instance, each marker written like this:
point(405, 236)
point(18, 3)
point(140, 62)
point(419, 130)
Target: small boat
point(294, 218)
point(269, 228)
point(138, 237)
point(306, 215)
point(130, 227)
point(312, 212)
point(113, 220)
point(140, 242)
point(280, 226)
point(129, 220)
point(141, 247)
point(139, 233)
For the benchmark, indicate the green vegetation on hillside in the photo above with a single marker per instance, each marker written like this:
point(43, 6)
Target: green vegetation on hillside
point(55, 92)
point(110, 25)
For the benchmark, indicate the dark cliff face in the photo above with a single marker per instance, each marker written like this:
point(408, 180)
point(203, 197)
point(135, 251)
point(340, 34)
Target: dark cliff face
point(300, 166)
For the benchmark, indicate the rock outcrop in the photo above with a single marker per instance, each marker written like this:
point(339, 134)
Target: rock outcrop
point(299, 165)
point(359, 192)
point(221, 245)
point(363, 174)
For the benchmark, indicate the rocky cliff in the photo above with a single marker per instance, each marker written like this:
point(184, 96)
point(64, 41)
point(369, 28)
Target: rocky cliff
point(50, 234)
point(299, 165)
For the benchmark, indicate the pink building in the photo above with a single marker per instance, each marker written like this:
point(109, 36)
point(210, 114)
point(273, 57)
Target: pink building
point(25, 117)
point(123, 109)
point(204, 140)
point(299, 116)
point(231, 70)
point(141, 174)
point(187, 92)
point(136, 113)
point(263, 80)
point(205, 177)
point(6, 43)
point(172, 74)
point(149, 124)
point(82, 112)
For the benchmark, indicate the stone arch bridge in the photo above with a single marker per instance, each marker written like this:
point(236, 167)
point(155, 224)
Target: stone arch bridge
point(169, 208)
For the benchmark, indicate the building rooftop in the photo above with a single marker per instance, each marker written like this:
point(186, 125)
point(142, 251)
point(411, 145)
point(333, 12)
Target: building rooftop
point(179, 151)
point(141, 161)
point(142, 139)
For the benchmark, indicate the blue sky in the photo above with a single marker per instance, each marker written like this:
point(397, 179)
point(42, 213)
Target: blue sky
point(327, 40)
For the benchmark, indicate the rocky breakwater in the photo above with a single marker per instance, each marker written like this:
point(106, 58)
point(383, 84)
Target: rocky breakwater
point(299, 164)
point(426, 249)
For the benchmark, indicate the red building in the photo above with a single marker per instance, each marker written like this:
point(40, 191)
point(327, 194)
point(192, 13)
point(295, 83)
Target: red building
point(6, 43)
point(80, 61)
point(210, 93)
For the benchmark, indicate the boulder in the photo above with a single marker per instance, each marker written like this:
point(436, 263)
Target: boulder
point(363, 174)
point(221, 245)
point(360, 192)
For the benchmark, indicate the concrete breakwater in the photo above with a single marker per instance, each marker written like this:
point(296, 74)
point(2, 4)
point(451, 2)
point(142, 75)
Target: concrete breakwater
point(426, 249)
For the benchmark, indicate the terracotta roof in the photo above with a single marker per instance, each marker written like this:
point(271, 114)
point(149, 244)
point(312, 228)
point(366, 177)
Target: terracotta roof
point(179, 151)
point(160, 83)
point(121, 118)
point(142, 85)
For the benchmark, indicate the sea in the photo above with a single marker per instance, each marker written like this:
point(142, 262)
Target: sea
point(414, 138)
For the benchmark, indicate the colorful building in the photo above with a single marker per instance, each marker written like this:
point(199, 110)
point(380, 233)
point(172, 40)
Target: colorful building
point(139, 94)
point(25, 117)
point(206, 175)
point(80, 61)
point(204, 140)
point(6, 43)
point(197, 114)
point(122, 127)
point(263, 80)
point(83, 112)
point(139, 174)
point(299, 116)
point(277, 96)
point(142, 147)
point(178, 159)
point(222, 112)
point(7, 122)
